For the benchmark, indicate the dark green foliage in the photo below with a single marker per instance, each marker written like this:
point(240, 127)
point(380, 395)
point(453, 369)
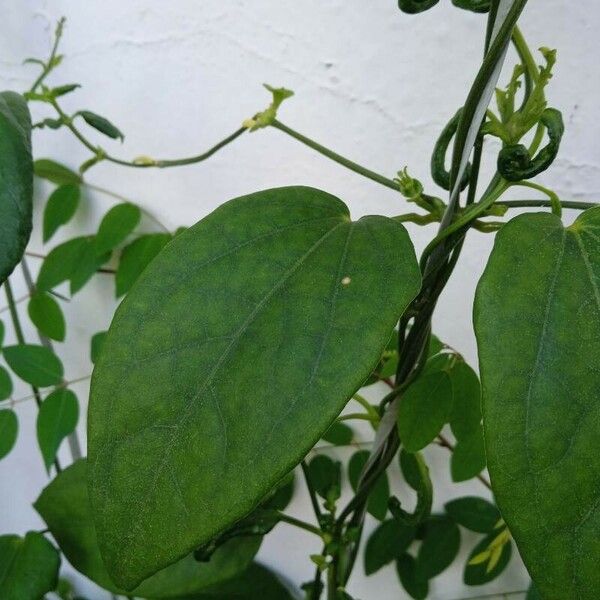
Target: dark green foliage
point(101, 124)
point(380, 494)
point(406, 567)
point(16, 181)
point(481, 573)
point(9, 429)
point(468, 458)
point(55, 172)
point(476, 514)
point(117, 224)
point(60, 208)
point(36, 365)
point(441, 542)
point(388, 542)
point(45, 313)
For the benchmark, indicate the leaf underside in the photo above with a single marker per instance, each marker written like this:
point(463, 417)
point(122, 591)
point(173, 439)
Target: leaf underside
point(537, 320)
point(228, 360)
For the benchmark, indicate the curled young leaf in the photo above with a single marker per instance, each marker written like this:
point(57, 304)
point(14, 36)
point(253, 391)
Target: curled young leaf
point(101, 124)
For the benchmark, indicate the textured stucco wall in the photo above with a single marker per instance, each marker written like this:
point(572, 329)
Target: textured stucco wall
point(374, 84)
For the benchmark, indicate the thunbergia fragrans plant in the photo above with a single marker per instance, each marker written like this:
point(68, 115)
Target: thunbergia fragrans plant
point(241, 339)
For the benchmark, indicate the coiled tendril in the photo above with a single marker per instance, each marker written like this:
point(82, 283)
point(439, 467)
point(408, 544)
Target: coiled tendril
point(438, 159)
point(478, 6)
point(514, 161)
point(413, 7)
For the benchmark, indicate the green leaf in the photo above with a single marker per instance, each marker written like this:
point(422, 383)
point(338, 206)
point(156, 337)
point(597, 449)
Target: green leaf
point(96, 345)
point(441, 543)
point(468, 458)
point(281, 277)
point(16, 181)
point(57, 418)
point(479, 574)
point(416, 473)
point(388, 542)
point(55, 172)
point(28, 566)
point(476, 514)
point(101, 124)
point(6, 386)
point(533, 593)
point(116, 225)
point(46, 314)
point(256, 582)
point(326, 477)
point(380, 493)
point(60, 208)
point(282, 495)
point(424, 410)
point(75, 261)
point(406, 567)
point(537, 312)
point(136, 257)
point(339, 434)
point(36, 365)
point(465, 416)
point(9, 429)
point(64, 506)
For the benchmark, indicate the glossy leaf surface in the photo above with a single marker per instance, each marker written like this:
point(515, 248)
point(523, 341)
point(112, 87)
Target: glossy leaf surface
point(16, 180)
point(281, 277)
point(64, 506)
point(541, 395)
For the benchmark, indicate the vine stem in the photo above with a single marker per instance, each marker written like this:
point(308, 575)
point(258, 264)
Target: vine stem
point(542, 203)
point(299, 523)
point(21, 340)
point(338, 158)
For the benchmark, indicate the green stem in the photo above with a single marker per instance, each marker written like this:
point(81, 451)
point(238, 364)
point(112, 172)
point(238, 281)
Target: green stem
point(311, 491)
point(540, 203)
point(49, 65)
point(552, 196)
point(525, 54)
point(358, 417)
point(389, 183)
point(298, 523)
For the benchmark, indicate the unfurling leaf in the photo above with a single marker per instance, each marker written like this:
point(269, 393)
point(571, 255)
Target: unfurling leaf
point(16, 181)
point(537, 313)
point(101, 124)
point(282, 277)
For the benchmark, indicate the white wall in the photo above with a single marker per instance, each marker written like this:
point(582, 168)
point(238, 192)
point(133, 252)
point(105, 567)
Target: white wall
point(371, 82)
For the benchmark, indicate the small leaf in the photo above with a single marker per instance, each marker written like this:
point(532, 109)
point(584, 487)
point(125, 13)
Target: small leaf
point(57, 418)
point(388, 542)
point(16, 181)
point(28, 566)
point(6, 386)
point(55, 172)
point(116, 225)
point(424, 410)
point(406, 567)
point(96, 345)
point(326, 477)
point(34, 364)
point(62, 90)
point(377, 505)
point(101, 124)
point(465, 416)
point(476, 514)
point(339, 434)
point(485, 571)
point(468, 458)
point(282, 495)
point(64, 505)
point(9, 429)
point(46, 314)
point(87, 265)
point(60, 208)
point(441, 543)
point(136, 257)
point(60, 263)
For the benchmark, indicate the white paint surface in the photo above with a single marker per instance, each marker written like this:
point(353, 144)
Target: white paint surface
point(374, 84)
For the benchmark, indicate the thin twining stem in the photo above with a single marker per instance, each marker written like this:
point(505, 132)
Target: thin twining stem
point(64, 384)
point(542, 203)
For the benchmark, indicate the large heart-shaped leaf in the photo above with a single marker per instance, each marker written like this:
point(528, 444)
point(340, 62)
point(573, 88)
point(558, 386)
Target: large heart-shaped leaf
point(64, 505)
point(228, 360)
point(16, 180)
point(537, 319)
